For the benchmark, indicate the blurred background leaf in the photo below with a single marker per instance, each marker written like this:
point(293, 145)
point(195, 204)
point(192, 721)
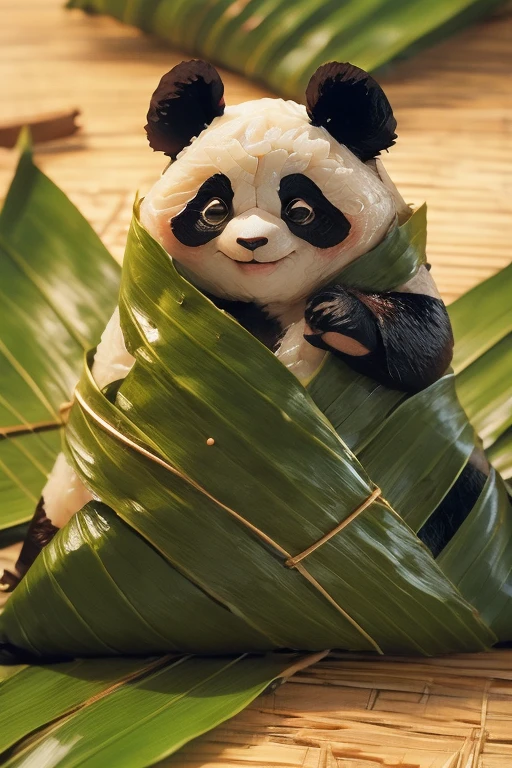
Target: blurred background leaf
point(58, 287)
point(280, 44)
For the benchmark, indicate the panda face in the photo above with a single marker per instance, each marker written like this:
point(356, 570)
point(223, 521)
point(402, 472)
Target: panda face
point(265, 207)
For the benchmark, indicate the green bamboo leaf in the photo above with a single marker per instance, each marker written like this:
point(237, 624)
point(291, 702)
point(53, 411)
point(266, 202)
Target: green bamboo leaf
point(483, 360)
point(25, 463)
point(354, 404)
point(419, 450)
point(500, 454)
point(220, 24)
point(281, 44)
point(413, 447)
point(158, 609)
point(328, 18)
point(378, 38)
point(478, 557)
point(33, 696)
point(10, 670)
point(394, 261)
point(57, 282)
point(37, 225)
point(267, 25)
point(144, 720)
point(485, 390)
point(490, 300)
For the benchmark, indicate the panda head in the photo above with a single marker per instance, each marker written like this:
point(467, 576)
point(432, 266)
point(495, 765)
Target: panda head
point(269, 200)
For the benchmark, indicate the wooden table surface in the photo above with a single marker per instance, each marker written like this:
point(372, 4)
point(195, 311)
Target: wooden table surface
point(453, 104)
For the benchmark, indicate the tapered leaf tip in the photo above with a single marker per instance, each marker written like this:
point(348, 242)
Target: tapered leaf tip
point(24, 144)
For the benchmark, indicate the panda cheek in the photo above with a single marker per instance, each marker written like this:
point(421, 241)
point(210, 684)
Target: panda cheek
point(355, 233)
point(345, 244)
point(329, 254)
point(156, 223)
point(194, 256)
point(283, 242)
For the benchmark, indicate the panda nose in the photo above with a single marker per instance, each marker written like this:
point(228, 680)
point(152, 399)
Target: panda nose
point(251, 243)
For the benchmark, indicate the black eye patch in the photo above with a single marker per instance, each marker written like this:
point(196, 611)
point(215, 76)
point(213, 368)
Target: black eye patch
point(326, 227)
point(207, 214)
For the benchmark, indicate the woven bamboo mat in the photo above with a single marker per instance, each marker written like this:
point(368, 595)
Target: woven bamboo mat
point(453, 103)
point(353, 712)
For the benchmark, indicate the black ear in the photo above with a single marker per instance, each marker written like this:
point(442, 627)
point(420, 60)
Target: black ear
point(187, 99)
point(352, 106)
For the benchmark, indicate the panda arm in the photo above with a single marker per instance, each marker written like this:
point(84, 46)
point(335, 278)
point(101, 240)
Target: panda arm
point(402, 339)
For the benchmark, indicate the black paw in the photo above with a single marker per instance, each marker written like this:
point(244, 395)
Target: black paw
point(340, 321)
point(401, 340)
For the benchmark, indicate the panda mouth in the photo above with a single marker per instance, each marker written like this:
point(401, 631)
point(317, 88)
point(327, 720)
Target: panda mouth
point(259, 267)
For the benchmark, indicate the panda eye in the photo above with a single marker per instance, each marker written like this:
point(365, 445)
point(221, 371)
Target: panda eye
point(205, 216)
point(215, 212)
point(299, 212)
point(317, 221)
